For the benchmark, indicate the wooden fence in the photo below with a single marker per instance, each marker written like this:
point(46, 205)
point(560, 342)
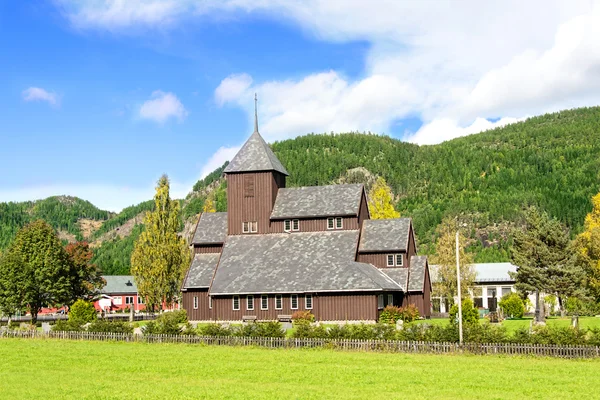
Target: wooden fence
point(338, 344)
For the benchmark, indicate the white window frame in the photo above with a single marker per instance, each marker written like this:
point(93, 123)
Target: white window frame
point(296, 225)
point(287, 225)
point(245, 227)
point(308, 298)
point(278, 299)
point(390, 299)
point(339, 223)
point(195, 302)
point(264, 298)
point(253, 227)
point(127, 302)
point(332, 221)
point(292, 297)
point(401, 258)
point(380, 302)
point(233, 300)
point(118, 300)
point(388, 260)
point(210, 302)
point(248, 302)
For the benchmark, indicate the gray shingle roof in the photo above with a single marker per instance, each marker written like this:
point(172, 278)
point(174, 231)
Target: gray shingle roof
point(119, 284)
point(398, 275)
point(317, 201)
point(201, 271)
point(255, 155)
point(385, 235)
point(211, 228)
point(295, 263)
point(416, 278)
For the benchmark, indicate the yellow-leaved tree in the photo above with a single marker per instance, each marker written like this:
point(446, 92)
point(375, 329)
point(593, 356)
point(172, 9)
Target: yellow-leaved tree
point(445, 259)
point(381, 201)
point(587, 247)
point(209, 204)
point(160, 256)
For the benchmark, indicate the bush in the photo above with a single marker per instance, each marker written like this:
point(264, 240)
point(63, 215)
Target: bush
point(169, 323)
point(300, 316)
point(82, 312)
point(215, 330)
point(409, 313)
point(103, 325)
point(307, 330)
point(512, 305)
point(389, 315)
point(262, 329)
point(470, 315)
point(67, 326)
point(576, 306)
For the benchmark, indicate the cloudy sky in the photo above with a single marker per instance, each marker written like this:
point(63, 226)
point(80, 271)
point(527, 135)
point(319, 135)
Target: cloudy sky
point(99, 98)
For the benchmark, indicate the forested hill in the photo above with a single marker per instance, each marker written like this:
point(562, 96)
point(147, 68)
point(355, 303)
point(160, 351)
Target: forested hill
point(486, 179)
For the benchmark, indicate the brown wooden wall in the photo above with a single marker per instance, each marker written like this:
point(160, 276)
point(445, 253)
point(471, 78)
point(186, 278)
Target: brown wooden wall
point(316, 225)
point(326, 307)
point(203, 313)
point(380, 259)
point(198, 249)
point(241, 208)
point(421, 299)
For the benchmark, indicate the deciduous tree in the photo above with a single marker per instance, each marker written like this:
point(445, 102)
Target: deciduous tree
point(587, 248)
point(381, 204)
point(445, 259)
point(160, 257)
point(86, 278)
point(35, 271)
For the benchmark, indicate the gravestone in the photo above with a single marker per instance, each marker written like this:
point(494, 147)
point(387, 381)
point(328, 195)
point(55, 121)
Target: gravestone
point(46, 327)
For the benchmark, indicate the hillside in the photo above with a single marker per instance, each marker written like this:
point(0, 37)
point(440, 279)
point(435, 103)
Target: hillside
point(552, 161)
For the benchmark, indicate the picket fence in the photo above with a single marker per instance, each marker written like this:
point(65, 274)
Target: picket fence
point(338, 344)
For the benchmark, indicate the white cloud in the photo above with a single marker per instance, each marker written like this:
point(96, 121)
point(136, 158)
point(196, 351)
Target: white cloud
point(218, 159)
point(163, 106)
point(39, 94)
point(449, 63)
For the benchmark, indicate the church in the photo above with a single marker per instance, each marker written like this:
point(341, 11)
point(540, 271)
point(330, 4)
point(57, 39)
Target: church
point(279, 250)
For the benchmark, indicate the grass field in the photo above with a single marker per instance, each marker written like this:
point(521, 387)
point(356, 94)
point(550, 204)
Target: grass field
point(52, 369)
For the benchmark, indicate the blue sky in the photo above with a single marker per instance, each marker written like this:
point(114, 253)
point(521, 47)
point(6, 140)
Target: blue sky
point(99, 98)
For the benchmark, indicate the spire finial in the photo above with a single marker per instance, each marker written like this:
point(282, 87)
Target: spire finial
point(255, 113)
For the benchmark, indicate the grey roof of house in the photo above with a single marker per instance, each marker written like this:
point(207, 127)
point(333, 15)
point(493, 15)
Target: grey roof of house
point(119, 284)
point(317, 201)
point(485, 272)
point(295, 263)
point(211, 228)
point(385, 235)
point(416, 278)
point(201, 271)
point(398, 275)
point(255, 155)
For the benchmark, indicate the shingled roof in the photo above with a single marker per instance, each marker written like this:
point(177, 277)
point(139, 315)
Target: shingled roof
point(201, 271)
point(317, 201)
point(255, 155)
point(295, 263)
point(398, 275)
point(416, 278)
point(385, 235)
point(211, 228)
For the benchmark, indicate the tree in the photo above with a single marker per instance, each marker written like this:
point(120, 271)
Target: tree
point(82, 312)
point(587, 248)
point(541, 254)
point(381, 201)
point(512, 305)
point(160, 256)
point(445, 259)
point(470, 315)
point(35, 271)
point(209, 205)
point(86, 278)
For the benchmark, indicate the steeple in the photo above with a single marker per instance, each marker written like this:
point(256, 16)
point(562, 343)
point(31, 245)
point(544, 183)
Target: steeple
point(255, 155)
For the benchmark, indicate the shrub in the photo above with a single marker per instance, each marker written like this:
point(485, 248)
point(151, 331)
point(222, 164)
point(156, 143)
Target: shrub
point(390, 315)
point(558, 335)
point(470, 315)
point(306, 330)
point(300, 316)
point(576, 306)
point(262, 329)
point(169, 323)
point(409, 313)
point(82, 312)
point(67, 326)
point(103, 325)
point(215, 330)
point(512, 305)
point(485, 333)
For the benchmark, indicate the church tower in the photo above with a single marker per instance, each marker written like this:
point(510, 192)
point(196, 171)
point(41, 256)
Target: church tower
point(254, 177)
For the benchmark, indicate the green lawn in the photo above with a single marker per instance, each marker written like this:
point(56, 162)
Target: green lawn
point(52, 369)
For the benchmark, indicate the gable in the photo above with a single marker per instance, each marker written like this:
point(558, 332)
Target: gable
point(385, 235)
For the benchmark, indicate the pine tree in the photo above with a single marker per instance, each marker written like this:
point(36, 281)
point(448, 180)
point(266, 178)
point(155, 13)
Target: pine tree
point(35, 272)
point(381, 204)
point(445, 259)
point(160, 256)
point(587, 248)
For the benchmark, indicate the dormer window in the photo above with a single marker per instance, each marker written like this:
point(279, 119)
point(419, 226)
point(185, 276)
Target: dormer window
point(295, 225)
point(287, 225)
point(330, 223)
point(395, 260)
point(249, 227)
point(335, 223)
point(338, 223)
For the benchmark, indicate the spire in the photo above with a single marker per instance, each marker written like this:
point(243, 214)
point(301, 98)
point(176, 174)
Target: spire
point(255, 113)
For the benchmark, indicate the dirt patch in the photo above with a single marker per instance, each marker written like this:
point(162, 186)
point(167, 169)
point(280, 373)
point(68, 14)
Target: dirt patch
point(64, 235)
point(121, 231)
point(89, 226)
